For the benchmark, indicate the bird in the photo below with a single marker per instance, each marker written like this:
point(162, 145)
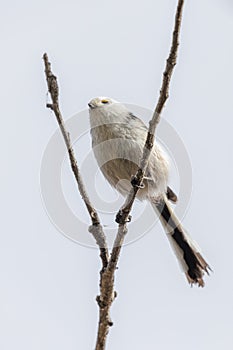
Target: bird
point(118, 139)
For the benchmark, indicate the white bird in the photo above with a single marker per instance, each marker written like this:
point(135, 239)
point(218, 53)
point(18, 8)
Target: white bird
point(118, 138)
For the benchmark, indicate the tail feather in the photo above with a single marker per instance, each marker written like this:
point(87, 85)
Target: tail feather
point(185, 248)
point(171, 195)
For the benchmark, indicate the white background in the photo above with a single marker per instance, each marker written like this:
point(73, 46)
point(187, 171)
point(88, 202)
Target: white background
point(48, 283)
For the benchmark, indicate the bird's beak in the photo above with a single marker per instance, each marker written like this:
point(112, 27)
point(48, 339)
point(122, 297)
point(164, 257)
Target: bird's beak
point(90, 105)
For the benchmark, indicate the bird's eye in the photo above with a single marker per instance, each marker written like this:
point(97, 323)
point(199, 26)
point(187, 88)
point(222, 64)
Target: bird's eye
point(105, 101)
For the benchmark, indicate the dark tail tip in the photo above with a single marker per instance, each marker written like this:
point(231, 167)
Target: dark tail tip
point(195, 262)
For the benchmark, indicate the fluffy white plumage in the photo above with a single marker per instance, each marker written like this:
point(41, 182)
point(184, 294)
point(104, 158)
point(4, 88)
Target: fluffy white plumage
point(118, 138)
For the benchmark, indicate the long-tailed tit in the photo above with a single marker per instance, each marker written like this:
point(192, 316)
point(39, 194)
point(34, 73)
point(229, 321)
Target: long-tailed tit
point(118, 138)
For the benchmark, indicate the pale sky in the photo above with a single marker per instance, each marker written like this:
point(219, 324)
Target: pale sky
point(115, 48)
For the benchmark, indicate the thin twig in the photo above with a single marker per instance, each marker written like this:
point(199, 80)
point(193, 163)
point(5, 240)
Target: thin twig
point(123, 214)
point(96, 228)
point(107, 278)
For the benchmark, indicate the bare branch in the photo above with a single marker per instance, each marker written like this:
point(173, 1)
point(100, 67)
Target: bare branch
point(96, 228)
point(107, 293)
point(123, 214)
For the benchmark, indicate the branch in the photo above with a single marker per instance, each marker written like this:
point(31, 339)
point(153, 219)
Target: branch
point(123, 216)
point(137, 180)
point(96, 228)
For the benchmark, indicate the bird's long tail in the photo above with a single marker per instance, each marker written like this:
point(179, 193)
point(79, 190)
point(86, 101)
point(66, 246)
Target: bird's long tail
point(186, 250)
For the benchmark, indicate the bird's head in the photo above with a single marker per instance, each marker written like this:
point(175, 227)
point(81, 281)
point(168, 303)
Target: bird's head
point(101, 102)
point(104, 110)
